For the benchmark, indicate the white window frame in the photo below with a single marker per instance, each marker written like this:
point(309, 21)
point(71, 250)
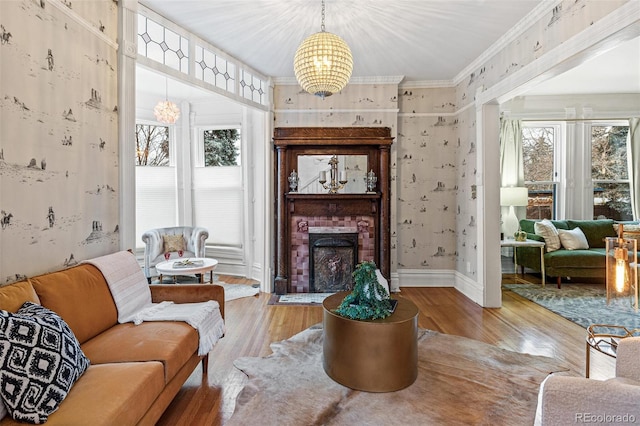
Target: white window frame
point(559, 166)
point(172, 165)
point(199, 149)
point(589, 125)
point(233, 253)
point(172, 139)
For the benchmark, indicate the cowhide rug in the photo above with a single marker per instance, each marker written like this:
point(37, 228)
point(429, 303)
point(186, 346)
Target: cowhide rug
point(460, 381)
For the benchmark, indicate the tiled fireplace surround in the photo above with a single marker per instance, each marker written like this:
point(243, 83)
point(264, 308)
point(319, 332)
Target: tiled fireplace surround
point(299, 231)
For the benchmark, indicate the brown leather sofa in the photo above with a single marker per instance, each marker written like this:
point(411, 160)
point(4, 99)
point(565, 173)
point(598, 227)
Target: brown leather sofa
point(136, 370)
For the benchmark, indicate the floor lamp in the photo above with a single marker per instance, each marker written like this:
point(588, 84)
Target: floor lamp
point(512, 196)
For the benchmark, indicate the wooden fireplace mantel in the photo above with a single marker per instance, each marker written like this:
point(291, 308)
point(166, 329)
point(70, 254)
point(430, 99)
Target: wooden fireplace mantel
point(290, 142)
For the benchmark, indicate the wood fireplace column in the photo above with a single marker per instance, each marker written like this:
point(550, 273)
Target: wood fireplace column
point(282, 234)
point(384, 230)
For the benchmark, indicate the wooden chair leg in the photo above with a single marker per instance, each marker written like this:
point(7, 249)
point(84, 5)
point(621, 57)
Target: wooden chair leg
point(559, 281)
point(205, 364)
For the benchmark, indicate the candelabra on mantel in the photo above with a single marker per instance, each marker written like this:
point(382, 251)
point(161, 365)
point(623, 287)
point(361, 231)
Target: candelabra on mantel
point(371, 181)
point(335, 184)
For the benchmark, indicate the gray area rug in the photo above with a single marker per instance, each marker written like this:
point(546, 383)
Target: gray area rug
point(583, 304)
point(231, 291)
point(460, 382)
point(238, 291)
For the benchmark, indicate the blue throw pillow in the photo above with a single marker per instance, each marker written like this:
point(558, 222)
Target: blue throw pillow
point(40, 359)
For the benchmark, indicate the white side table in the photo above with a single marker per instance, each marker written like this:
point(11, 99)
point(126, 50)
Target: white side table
point(526, 243)
point(203, 265)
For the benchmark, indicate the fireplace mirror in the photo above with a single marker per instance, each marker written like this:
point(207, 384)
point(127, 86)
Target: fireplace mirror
point(310, 166)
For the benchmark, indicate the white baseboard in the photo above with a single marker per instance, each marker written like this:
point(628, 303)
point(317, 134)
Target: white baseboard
point(239, 270)
point(438, 278)
point(426, 278)
point(469, 288)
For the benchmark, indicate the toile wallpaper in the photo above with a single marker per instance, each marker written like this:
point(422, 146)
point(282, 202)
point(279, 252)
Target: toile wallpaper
point(434, 199)
point(59, 148)
point(58, 139)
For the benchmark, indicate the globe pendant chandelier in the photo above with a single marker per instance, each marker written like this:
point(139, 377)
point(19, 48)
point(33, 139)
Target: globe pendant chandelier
point(166, 111)
point(323, 63)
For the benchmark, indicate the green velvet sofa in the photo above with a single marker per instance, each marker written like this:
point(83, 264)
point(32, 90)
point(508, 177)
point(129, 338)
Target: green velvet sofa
point(569, 263)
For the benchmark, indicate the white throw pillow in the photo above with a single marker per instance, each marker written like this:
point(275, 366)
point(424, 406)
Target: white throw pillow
point(573, 239)
point(548, 231)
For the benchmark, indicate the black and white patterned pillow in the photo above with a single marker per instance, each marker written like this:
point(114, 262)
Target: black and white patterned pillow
point(40, 359)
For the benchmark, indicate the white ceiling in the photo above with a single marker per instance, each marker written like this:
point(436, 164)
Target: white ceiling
point(419, 39)
point(422, 40)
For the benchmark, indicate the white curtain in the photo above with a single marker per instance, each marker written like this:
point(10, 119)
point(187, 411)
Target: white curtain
point(633, 158)
point(511, 163)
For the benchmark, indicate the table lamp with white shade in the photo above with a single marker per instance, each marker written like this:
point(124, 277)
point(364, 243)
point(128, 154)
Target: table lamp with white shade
point(512, 196)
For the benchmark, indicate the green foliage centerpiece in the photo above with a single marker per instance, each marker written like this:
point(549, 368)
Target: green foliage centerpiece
point(369, 300)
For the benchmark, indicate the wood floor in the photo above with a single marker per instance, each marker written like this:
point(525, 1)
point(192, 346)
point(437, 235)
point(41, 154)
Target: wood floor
point(252, 325)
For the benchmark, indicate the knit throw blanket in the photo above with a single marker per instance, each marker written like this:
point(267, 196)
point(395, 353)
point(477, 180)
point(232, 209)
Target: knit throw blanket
point(132, 297)
point(204, 317)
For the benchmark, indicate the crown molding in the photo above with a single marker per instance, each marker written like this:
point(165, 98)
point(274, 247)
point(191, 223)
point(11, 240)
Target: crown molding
point(83, 22)
point(542, 9)
point(427, 84)
point(390, 79)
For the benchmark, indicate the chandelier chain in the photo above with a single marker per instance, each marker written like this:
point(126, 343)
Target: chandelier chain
point(322, 25)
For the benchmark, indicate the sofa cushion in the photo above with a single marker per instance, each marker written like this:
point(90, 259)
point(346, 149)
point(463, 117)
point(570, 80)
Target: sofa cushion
point(550, 234)
point(595, 230)
point(109, 394)
point(576, 259)
point(573, 239)
point(170, 342)
point(40, 360)
point(13, 296)
point(91, 310)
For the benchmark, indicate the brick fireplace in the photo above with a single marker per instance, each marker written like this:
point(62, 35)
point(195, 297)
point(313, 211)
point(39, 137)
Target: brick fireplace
point(301, 276)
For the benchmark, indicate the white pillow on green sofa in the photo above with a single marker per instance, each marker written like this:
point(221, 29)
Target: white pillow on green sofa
point(548, 231)
point(573, 239)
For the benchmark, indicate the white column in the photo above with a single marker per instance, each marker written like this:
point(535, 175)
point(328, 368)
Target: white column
point(127, 52)
point(489, 270)
point(184, 163)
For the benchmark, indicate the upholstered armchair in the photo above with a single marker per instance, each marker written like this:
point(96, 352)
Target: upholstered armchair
point(159, 241)
point(565, 400)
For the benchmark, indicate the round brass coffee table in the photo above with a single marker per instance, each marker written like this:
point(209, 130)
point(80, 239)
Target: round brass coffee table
point(372, 356)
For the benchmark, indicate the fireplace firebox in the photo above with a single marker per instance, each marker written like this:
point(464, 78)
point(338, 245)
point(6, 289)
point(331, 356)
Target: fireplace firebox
point(332, 259)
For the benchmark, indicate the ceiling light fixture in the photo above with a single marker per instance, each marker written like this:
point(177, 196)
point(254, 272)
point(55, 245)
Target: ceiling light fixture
point(323, 63)
point(166, 111)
